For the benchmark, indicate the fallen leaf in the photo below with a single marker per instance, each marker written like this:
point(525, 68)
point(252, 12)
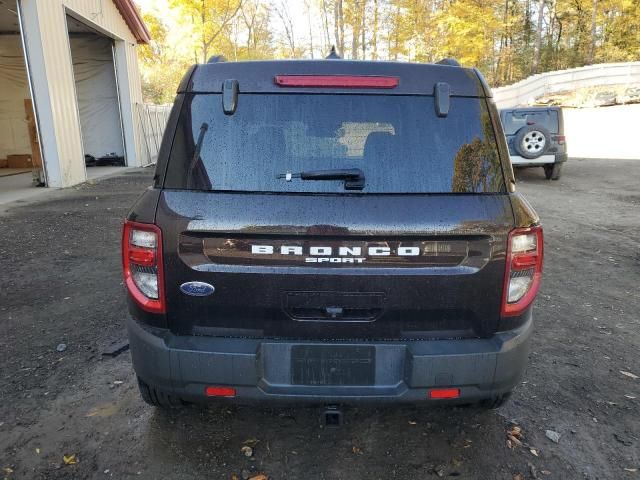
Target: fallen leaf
point(8, 470)
point(260, 476)
point(412, 422)
point(105, 410)
point(629, 374)
point(630, 397)
point(356, 450)
point(514, 440)
point(545, 472)
point(516, 431)
point(251, 442)
point(632, 470)
point(509, 444)
point(234, 477)
point(534, 452)
point(247, 451)
point(70, 459)
point(519, 476)
point(38, 451)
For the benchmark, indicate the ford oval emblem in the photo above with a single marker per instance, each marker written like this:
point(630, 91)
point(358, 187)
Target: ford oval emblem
point(197, 289)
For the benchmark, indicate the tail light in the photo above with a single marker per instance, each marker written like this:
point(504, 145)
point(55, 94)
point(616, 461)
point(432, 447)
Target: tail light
point(560, 139)
point(523, 271)
point(336, 81)
point(142, 265)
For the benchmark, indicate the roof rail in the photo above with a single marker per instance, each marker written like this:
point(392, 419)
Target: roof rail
point(333, 55)
point(217, 59)
point(452, 62)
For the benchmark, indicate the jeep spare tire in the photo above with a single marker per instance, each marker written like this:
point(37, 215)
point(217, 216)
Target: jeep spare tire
point(532, 141)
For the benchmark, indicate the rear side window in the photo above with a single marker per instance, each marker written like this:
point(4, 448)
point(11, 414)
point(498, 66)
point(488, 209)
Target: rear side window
point(514, 121)
point(398, 142)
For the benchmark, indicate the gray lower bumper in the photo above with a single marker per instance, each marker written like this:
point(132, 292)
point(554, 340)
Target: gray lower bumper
point(518, 161)
point(261, 369)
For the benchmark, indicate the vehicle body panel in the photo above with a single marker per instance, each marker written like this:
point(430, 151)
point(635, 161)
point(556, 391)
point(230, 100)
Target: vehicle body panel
point(472, 227)
point(332, 296)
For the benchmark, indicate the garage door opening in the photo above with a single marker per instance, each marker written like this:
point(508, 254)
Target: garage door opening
point(98, 99)
point(20, 157)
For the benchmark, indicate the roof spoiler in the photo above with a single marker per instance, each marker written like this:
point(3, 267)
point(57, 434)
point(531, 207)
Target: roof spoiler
point(451, 62)
point(217, 59)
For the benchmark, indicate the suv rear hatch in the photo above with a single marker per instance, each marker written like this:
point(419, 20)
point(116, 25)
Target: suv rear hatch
point(417, 252)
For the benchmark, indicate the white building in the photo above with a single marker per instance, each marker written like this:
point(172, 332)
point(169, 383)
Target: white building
point(69, 86)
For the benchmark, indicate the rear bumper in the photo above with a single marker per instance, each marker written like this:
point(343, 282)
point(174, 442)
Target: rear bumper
point(260, 370)
point(518, 161)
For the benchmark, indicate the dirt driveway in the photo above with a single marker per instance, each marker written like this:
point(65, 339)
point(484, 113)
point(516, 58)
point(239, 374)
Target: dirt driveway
point(60, 283)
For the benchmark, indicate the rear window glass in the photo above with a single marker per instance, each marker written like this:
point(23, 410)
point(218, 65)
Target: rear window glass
point(398, 142)
point(514, 121)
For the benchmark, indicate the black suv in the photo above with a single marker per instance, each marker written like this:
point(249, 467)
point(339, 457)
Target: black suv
point(331, 231)
point(535, 136)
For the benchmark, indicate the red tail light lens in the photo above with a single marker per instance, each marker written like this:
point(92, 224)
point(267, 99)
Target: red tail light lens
point(215, 391)
point(336, 81)
point(442, 393)
point(523, 269)
point(142, 265)
point(560, 139)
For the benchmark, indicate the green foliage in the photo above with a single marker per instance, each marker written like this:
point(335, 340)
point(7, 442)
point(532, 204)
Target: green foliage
point(161, 68)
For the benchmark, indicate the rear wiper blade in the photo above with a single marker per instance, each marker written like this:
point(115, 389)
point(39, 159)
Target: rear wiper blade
point(353, 177)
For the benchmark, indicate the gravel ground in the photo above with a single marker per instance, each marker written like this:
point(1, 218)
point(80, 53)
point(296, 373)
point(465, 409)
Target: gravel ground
point(60, 283)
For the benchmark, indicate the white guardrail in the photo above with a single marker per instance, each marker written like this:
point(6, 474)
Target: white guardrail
point(525, 91)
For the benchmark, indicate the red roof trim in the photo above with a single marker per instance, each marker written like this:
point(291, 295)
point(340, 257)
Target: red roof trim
point(133, 20)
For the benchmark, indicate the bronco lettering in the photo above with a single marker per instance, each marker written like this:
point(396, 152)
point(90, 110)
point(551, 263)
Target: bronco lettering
point(341, 251)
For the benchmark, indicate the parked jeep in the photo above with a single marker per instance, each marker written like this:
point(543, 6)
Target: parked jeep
point(535, 136)
point(331, 231)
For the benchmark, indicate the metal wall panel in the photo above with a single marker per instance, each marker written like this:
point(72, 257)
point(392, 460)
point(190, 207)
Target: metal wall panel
point(47, 40)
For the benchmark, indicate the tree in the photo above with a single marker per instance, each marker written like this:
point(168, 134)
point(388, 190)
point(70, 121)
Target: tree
point(338, 22)
point(507, 39)
point(538, 40)
point(287, 22)
point(161, 69)
point(209, 21)
point(256, 18)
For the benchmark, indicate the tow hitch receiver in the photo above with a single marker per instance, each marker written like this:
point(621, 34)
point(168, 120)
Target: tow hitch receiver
point(332, 417)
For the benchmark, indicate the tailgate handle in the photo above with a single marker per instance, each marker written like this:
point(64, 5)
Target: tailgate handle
point(334, 312)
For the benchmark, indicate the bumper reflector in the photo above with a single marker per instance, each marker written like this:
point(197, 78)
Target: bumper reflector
point(215, 391)
point(439, 393)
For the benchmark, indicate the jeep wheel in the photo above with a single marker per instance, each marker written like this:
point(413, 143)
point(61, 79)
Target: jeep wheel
point(552, 171)
point(532, 141)
point(158, 398)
